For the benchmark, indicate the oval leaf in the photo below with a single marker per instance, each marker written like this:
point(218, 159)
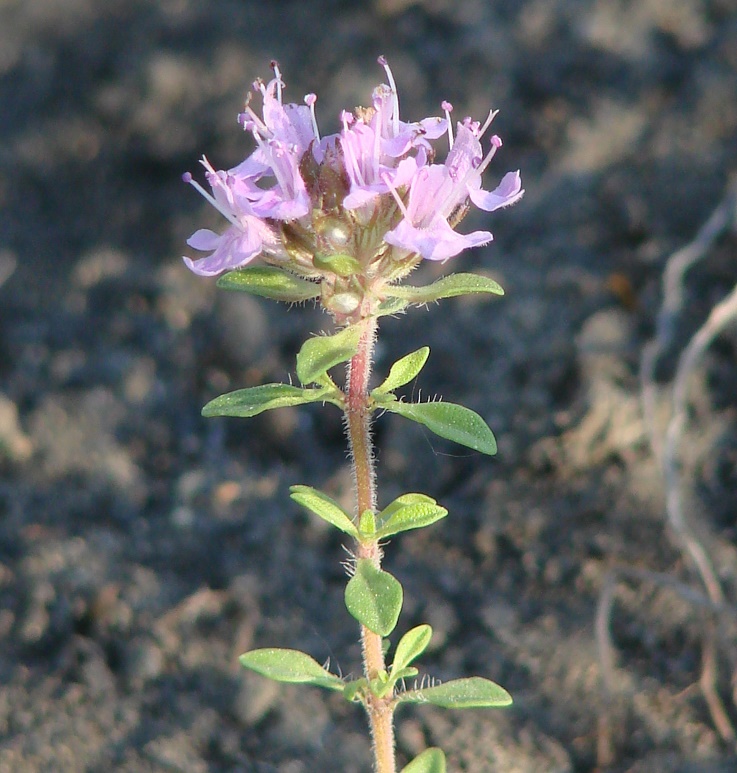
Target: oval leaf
point(374, 598)
point(430, 761)
point(472, 693)
point(340, 264)
point(328, 509)
point(447, 287)
point(290, 666)
point(250, 402)
point(411, 646)
point(321, 353)
point(451, 421)
point(410, 511)
point(269, 282)
point(404, 370)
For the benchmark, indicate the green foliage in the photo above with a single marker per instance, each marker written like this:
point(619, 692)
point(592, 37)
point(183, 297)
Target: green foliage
point(409, 511)
point(403, 371)
point(411, 646)
point(430, 761)
point(294, 666)
point(374, 598)
point(472, 693)
point(446, 287)
point(340, 264)
point(325, 507)
point(245, 403)
point(321, 353)
point(269, 282)
point(450, 421)
point(367, 524)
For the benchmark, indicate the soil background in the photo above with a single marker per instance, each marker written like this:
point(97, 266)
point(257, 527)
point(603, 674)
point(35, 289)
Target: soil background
point(142, 548)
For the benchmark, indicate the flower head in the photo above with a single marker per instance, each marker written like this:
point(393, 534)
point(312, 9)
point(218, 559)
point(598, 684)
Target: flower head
point(354, 210)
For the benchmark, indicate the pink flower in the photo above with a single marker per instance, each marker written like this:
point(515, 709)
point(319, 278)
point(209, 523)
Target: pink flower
point(298, 196)
point(439, 191)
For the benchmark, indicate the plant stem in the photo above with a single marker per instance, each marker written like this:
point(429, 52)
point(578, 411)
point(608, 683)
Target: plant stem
point(358, 428)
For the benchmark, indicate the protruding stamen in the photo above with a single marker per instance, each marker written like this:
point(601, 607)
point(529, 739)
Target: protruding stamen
point(310, 100)
point(388, 182)
point(448, 109)
point(487, 122)
point(395, 96)
point(187, 177)
point(279, 82)
point(496, 143)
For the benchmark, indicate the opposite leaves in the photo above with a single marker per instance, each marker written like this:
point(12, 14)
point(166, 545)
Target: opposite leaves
point(293, 666)
point(321, 353)
point(245, 403)
point(430, 761)
point(450, 421)
point(374, 598)
point(472, 693)
point(269, 282)
point(447, 287)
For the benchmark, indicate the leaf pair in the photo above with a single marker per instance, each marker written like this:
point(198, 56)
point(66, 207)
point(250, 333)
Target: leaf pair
point(281, 285)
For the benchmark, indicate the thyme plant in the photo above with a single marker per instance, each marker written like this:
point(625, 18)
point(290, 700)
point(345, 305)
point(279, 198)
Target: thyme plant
point(343, 220)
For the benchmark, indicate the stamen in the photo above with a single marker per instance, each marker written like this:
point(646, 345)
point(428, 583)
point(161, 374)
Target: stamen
point(487, 123)
point(448, 108)
point(187, 177)
point(496, 143)
point(277, 75)
point(310, 100)
point(395, 96)
point(387, 181)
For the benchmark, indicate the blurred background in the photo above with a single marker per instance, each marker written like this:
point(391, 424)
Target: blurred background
point(143, 548)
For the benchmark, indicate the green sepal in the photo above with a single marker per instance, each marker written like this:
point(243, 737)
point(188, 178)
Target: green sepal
point(322, 505)
point(374, 598)
point(450, 421)
point(391, 306)
point(432, 760)
point(340, 264)
point(404, 673)
point(269, 282)
point(403, 371)
point(381, 685)
point(292, 666)
point(367, 524)
point(410, 647)
point(472, 693)
point(446, 287)
point(246, 403)
point(409, 511)
point(353, 691)
point(321, 353)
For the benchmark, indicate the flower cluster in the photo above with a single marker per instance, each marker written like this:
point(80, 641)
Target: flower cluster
point(353, 210)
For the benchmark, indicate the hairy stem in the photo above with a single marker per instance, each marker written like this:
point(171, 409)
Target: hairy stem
point(358, 429)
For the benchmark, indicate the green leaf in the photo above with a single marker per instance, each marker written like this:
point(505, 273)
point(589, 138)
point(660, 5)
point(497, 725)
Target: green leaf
point(411, 646)
point(290, 666)
point(328, 509)
point(409, 511)
point(447, 287)
point(451, 421)
point(404, 370)
point(250, 402)
point(340, 264)
point(321, 353)
point(472, 693)
point(353, 691)
point(391, 306)
point(367, 524)
point(269, 282)
point(374, 598)
point(430, 761)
